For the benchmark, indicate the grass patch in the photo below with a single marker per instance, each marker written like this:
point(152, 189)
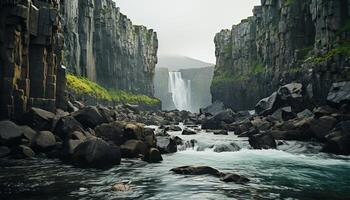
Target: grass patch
point(343, 49)
point(82, 85)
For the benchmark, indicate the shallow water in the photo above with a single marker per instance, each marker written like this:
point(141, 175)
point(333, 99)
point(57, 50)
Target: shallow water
point(298, 172)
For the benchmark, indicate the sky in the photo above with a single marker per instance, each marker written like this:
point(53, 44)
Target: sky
point(187, 27)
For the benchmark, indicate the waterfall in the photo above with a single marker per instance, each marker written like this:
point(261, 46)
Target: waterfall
point(181, 91)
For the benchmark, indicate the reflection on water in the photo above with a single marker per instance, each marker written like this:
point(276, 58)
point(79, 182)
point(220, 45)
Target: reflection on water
point(296, 173)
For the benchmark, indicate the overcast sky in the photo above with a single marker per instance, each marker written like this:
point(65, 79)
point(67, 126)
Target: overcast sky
point(187, 27)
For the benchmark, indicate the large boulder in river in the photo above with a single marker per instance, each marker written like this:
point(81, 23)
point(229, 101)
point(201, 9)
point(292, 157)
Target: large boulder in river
point(187, 131)
point(339, 94)
point(89, 117)
point(266, 105)
point(196, 170)
point(231, 177)
point(338, 141)
point(133, 149)
point(231, 147)
point(38, 119)
point(213, 109)
point(10, 132)
point(166, 144)
point(153, 156)
point(262, 141)
point(217, 121)
point(96, 153)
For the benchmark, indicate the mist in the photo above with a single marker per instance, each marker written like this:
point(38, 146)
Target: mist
point(187, 27)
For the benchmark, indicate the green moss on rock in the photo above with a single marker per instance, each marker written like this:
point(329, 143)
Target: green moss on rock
point(81, 85)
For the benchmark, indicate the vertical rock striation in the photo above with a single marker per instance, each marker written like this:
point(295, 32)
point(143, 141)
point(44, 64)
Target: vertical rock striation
point(103, 45)
point(284, 41)
point(30, 56)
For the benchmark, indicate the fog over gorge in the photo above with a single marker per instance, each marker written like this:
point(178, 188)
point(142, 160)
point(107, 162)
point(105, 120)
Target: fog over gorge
point(187, 27)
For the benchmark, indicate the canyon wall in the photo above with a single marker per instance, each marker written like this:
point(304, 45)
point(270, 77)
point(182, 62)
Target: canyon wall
point(30, 57)
point(284, 41)
point(102, 44)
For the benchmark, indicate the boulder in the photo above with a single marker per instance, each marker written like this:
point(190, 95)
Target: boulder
point(220, 132)
point(10, 133)
point(133, 131)
point(232, 147)
point(166, 144)
point(96, 153)
point(196, 170)
point(290, 135)
point(107, 114)
point(89, 117)
point(153, 156)
point(149, 137)
point(231, 177)
point(213, 109)
point(339, 94)
point(44, 141)
point(173, 128)
point(338, 141)
point(284, 114)
point(267, 105)
point(111, 132)
point(67, 125)
point(133, 149)
point(4, 151)
point(305, 114)
point(77, 135)
point(38, 119)
point(290, 95)
point(187, 131)
point(70, 146)
point(23, 151)
point(29, 134)
point(322, 127)
point(262, 141)
point(121, 187)
point(219, 120)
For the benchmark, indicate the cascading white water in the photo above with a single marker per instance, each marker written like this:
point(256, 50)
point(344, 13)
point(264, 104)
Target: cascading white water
point(181, 91)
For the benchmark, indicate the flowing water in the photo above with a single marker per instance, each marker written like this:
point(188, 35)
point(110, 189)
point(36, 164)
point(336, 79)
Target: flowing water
point(297, 172)
point(181, 91)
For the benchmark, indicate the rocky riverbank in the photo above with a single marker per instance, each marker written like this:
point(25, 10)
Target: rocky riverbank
point(98, 136)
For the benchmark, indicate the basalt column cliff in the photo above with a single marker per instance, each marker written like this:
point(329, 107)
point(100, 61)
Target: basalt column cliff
point(285, 41)
point(103, 45)
point(30, 57)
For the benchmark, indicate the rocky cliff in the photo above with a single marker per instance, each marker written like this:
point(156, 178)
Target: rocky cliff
point(30, 57)
point(286, 40)
point(103, 45)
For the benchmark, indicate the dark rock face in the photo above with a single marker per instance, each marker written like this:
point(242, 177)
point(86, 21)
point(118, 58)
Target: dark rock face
point(230, 177)
point(232, 147)
point(96, 153)
point(31, 45)
point(38, 119)
point(262, 141)
point(284, 42)
point(103, 45)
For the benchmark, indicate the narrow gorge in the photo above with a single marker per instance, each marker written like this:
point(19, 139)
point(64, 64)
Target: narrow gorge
point(93, 106)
